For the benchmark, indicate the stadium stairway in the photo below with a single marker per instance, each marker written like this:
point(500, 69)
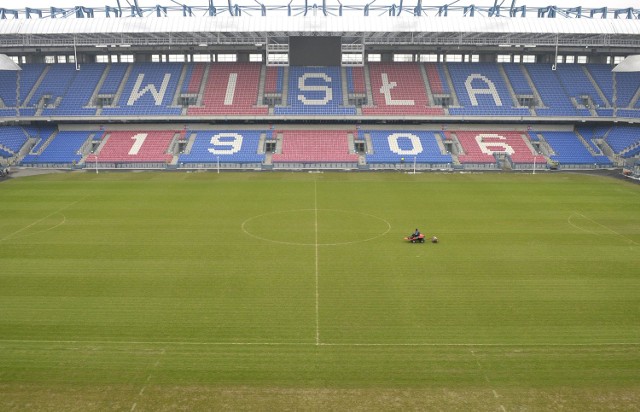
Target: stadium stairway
point(508, 85)
point(596, 87)
point(63, 150)
point(455, 102)
point(42, 144)
point(427, 85)
point(26, 102)
point(285, 86)
point(571, 152)
point(261, 83)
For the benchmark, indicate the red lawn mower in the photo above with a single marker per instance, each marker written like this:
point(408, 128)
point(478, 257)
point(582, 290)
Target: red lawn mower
point(415, 239)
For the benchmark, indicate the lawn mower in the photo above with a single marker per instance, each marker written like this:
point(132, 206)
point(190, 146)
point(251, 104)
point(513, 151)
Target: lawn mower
point(415, 239)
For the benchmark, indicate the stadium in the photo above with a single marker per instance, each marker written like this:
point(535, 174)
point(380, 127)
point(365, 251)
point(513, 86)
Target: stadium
point(205, 207)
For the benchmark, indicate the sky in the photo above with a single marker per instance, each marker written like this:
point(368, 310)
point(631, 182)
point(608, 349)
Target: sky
point(99, 4)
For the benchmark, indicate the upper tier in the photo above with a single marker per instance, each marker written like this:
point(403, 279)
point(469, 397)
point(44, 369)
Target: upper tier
point(434, 91)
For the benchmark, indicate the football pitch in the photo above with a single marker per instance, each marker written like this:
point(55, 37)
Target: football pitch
point(157, 291)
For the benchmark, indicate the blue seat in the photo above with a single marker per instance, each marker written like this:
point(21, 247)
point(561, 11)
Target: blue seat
point(315, 91)
point(391, 146)
point(229, 146)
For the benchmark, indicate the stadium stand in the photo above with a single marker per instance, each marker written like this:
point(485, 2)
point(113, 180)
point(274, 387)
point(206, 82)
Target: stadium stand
point(135, 147)
point(601, 75)
point(472, 152)
point(355, 80)
point(29, 76)
point(12, 138)
point(224, 146)
point(78, 103)
point(579, 86)
point(149, 90)
point(481, 146)
point(481, 90)
point(314, 146)
point(398, 89)
point(395, 146)
point(42, 134)
point(436, 79)
point(628, 94)
point(592, 133)
point(555, 100)
point(626, 88)
point(195, 74)
point(8, 82)
point(624, 140)
point(517, 78)
point(569, 150)
point(273, 81)
point(242, 101)
point(52, 86)
point(314, 91)
point(115, 72)
point(63, 149)
point(231, 89)
point(627, 113)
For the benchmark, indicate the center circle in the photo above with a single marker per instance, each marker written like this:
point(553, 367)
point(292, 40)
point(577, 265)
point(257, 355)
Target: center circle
point(311, 227)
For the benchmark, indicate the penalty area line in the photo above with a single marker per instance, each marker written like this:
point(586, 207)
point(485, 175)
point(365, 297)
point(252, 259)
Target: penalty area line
point(10, 235)
point(614, 232)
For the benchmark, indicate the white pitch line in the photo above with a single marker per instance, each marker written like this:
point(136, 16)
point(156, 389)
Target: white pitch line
point(610, 230)
point(417, 344)
point(146, 382)
point(315, 208)
point(40, 220)
point(181, 343)
point(486, 378)
point(599, 224)
point(532, 345)
point(282, 242)
point(62, 222)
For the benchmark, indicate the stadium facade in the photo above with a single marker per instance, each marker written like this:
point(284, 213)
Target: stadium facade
point(306, 87)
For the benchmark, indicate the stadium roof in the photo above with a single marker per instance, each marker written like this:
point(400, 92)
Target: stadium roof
point(226, 30)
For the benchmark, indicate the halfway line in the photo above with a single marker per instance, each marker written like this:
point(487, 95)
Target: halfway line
point(315, 208)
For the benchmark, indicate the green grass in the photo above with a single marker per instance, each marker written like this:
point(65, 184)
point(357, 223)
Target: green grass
point(295, 291)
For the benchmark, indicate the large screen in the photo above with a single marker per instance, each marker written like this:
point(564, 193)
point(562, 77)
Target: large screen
point(314, 51)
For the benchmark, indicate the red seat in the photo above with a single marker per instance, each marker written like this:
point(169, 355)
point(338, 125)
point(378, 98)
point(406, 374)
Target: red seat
point(136, 147)
point(315, 146)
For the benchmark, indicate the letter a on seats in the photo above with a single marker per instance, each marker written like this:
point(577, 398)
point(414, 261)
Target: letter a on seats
point(490, 89)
